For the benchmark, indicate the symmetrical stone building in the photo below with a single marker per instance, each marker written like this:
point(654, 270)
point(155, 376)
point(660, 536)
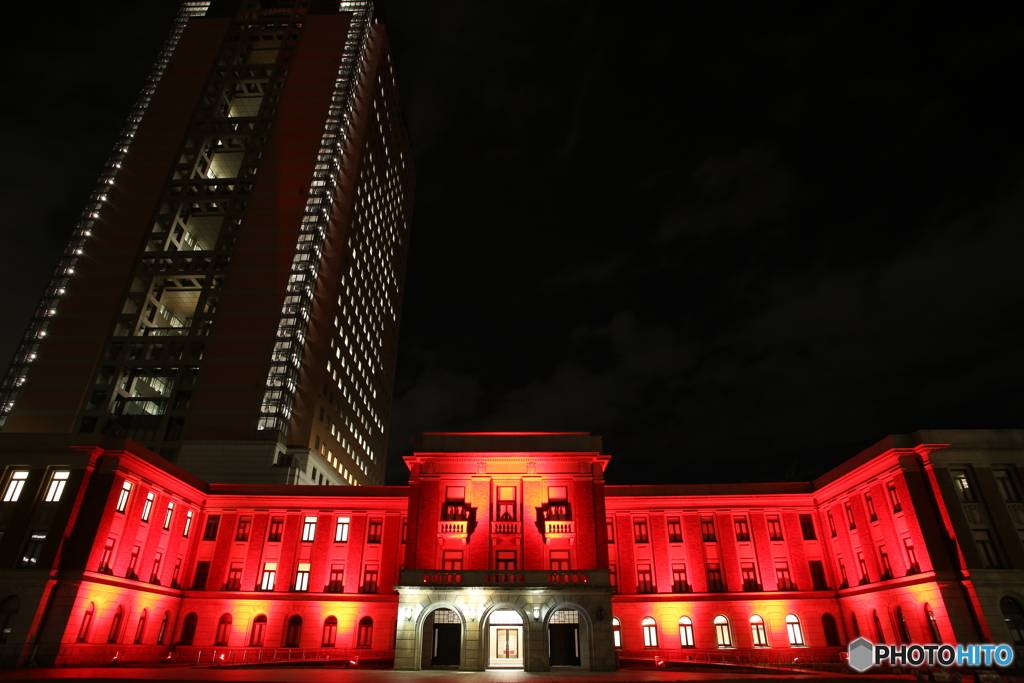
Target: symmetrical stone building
point(505, 550)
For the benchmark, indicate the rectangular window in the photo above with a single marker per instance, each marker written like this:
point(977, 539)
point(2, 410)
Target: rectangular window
point(610, 524)
point(168, 515)
point(883, 558)
point(831, 525)
point(376, 528)
point(147, 507)
point(58, 480)
point(308, 529)
point(843, 578)
point(707, 528)
point(133, 565)
point(818, 579)
point(783, 577)
point(341, 530)
point(849, 517)
point(106, 558)
point(749, 574)
point(963, 486)
point(774, 528)
point(715, 582)
point(679, 583)
point(613, 578)
point(201, 575)
point(506, 504)
point(559, 560)
point(176, 574)
point(302, 577)
point(122, 497)
point(234, 580)
point(505, 560)
point(154, 576)
point(1007, 485)
point(987, 549)
point(188, 523)
point(863, 566)
point(336, 582)
point(640, 530)
point(807, 528)
point(17, 483)
point(276, 529)
point(244, 526)
point(212, 525)
point(451, 561)
point(675, 530)
point(742, 530)
point(894, 498)
point(405, 527)
point(33, 549)
point(872, 515)
point(269, 576)
point(370, 579)
point(912, 566)
point(644, 579)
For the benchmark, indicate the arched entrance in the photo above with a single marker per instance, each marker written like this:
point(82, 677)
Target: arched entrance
point(443, 628)
point(505, 640)
point(564, 638)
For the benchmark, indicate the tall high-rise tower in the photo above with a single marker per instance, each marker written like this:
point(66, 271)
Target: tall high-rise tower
point(231, 295)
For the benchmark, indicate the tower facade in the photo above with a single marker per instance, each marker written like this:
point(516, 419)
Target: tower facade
point(231, 295)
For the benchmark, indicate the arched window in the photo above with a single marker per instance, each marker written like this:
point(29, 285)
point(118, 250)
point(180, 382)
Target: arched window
point(188, 631)
point(828, 625)
point(933, 624)
point(1013, 615)
point(616, 632)
point(793, 630)
point(650, 632)
point(223, 630)
point(294, 631)
point(685, 632)
point(259, 631)
point(855, 625)
point(115, 625)
point(163, 628)
point(83, 630)
point(878, 626)
point(901, 626)
point(364, 637)
point(330, 632)
point(8, 608)
point(723, 636)
point(140, 630)
point(757, 631)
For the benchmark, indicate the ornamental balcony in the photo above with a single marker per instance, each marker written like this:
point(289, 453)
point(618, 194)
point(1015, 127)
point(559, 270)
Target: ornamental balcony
point(593, 578)
point(454, 528)
point(507, 528)
point(558, 528)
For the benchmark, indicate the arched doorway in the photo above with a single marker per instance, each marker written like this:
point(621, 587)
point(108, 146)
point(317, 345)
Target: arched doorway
point(564, 638)
point(444, 628)
point(505, 638)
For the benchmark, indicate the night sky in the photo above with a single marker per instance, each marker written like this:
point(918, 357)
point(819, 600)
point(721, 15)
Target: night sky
point(741, 242)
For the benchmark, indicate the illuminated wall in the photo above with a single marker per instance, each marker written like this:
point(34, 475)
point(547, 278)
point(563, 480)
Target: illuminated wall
point(109, 550)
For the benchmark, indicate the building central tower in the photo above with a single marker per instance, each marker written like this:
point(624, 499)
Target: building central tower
point(231, 296)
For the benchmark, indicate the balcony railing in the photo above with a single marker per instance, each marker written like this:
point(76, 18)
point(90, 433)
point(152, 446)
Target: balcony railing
point(453, 527)
point(597, 578)
point(506, 528)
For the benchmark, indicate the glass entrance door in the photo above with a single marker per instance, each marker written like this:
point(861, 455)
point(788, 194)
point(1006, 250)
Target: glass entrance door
point(505, 650)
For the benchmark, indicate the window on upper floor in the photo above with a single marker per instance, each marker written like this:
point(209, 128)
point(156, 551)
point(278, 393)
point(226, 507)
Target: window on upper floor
point(675, 530)
point(987, 549)
point(679, 582)
point(33, 549)
point(707, 529)
point(774, 528)
point(147, 507)
point(58, 480)
point(849, 517)
point(716, 584)
point(558, 504)
point(275, 530)
point(212, 525)
point(783, 577)
point(302, 577)
point(912, 565)
point(308, 529)
point(831, 525)
point(375, 531)
point(644, 579)
point(894, 497)
point(610, 526)
point(559, 560)
point(748, 573)
point(807, 527)
point(1006, 481)
point(123, 495)
point(870, 503)
point(742, 529)
point(167, 515)
point(506, 511)
point(244, 527)
point(269, 577)
point(962, 484)
point(336, 580)
point(341, 530)
point(451, 561)
point(369, 579)
point(234, 580)
point(505, 560)
point(15, 485)
point(640, 530)
point(188, 523)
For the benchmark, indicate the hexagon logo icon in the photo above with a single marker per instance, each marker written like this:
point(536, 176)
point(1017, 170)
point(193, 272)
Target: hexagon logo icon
point(860, 652)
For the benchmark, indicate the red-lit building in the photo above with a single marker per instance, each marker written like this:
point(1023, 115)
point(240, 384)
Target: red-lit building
point(505, 550)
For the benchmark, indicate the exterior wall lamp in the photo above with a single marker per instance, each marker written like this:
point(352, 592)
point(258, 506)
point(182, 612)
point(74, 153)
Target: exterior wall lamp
point(536, 612)
point(408, 612)
point(471, 613)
